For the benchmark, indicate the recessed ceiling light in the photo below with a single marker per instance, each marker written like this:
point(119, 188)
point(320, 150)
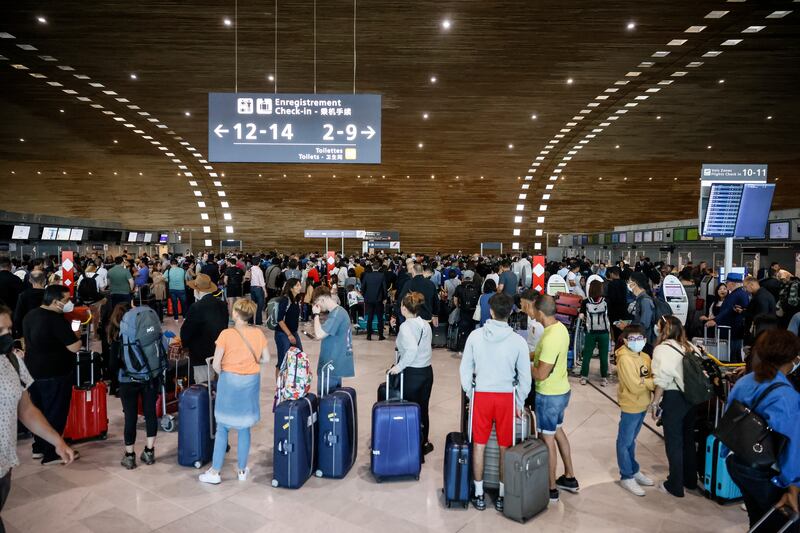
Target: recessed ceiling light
point(769, 117)
point(140, 173)
point(187, 113)
point(481, 177)
point(658, 117)
point(227, 21)
point(39, 172)
point(625, 178)
point(674, 179)
point(721, 81)
point(708, 147)
point(270, 77)
point(433, 177)
point(134, 76)
point(115, 172)
point(731, 42)
point(446, 24)
point(21, 140)
point(631, 26)
point(569, 81)
point(425, 116)
point(285, 175)
point(433, 79)
point(408, 177)
point(60, 110)
point(309, 175)
point(116, 141)
point(777, 14)
point(420, 145)
point(41, 20)
point(510, 146)
point(617, 147)
point(259, 175)
point(64, 172)
point(457, 177)
point(650, 178)
point(90, 172)
point(534, 117)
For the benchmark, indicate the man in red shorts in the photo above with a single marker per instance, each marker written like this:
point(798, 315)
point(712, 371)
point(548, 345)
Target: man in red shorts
point(495, 358)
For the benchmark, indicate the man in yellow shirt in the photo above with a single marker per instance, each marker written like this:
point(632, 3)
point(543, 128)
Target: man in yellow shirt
point(549, 369)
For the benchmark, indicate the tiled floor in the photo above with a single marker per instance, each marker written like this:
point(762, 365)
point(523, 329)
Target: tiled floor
point(95, 494)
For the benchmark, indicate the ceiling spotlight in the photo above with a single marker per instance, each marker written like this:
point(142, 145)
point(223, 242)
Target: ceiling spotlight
point(481, 177)
point(708, 147)
point(420, 145)
point(675, 179)
point(534, 117)
point(116, 141)
point(631, 26)
point(21, 140)
point(769, 117)
point(510, 146)
point(658, 117)
point(616, 146)
point(259, 175)
point(115, 172)
point(187, 113)
point(433, 177)
point(64, 172)
point(433, 79)
point(41, 20)
point(309, 175)
point(569, 81)
point(650, 178)
point(424, 116)
point(625, 178)
point(446, 24)
point(284, 175)
point(60, 110)
point(270, 77)
point(134, 76)
point(227, 21)
point(721, 81)
point(39, 172)
point(90, 172)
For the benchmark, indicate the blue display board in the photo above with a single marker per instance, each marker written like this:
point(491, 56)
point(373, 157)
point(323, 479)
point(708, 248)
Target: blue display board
point(738, 210)
point(294, 128)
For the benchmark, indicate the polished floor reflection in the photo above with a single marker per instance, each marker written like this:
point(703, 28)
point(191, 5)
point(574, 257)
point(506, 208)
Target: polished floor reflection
point(96, 494)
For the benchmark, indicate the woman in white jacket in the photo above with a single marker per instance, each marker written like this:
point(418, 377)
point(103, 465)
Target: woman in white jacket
point(414, 352)
point(676, 413)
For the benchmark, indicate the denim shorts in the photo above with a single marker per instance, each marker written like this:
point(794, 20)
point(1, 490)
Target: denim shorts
point(550, 412)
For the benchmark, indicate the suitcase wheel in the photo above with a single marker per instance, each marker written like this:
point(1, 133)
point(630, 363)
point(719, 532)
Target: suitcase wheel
point(466, 505)
point(318, 473)
point(198, 464)
point(103, 435)
point(274, 482)
point(448, 505)
point(416, 478)
point(168, 423)
point(379, 480)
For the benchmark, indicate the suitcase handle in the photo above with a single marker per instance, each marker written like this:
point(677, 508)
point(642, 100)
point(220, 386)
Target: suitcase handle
point(210, 368)
point(792, 519)
point(325, 388)
point(387, 385)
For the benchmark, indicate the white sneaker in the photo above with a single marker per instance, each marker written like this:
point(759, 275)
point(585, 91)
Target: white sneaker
point(209, 476)
point(643, 480)
point(631, 486)
point(243, 474)
point(583, 381)
point(603, 382)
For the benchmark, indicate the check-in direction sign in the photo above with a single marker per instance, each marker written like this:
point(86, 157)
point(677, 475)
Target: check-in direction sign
point(294, 128)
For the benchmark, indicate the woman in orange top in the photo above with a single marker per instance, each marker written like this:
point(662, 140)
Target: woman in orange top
point(237, 360)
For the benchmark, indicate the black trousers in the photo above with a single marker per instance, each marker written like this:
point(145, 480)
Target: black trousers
point(678, 418)
point(52, 396)
point(759, 495)
point(465, 326)
point(370, 310)
point(417, 386)
point(130, 393)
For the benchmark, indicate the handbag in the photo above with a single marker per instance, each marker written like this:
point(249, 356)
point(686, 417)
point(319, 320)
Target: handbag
point(476, 316)
point(249, 347)
point(747, 434)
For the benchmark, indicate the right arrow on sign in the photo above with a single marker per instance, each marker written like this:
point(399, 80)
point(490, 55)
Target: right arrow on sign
point(369, 132)
point(219, 131)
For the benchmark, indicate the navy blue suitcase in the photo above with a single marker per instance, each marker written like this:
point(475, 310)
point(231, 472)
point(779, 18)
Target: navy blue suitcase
point(457, 469)
point(338, 434)
point(294, 443)
point(195, 431)
point(396, 449)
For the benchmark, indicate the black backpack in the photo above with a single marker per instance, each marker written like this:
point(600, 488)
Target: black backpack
point(472, 295)
point(662, 309)
point(697, 386)
point(236, 277)
point(87, 290)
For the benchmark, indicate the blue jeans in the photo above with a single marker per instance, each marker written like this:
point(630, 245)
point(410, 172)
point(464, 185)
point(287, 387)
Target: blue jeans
point(221, 443)
point(178, 296)
point(257, 295)
point(550, 412)
point(629, 426)
point(282, 344)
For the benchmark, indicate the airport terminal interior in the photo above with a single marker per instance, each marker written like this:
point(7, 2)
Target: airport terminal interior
point(485, 197)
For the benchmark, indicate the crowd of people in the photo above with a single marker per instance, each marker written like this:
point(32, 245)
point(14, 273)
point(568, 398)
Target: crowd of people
point(226, 307)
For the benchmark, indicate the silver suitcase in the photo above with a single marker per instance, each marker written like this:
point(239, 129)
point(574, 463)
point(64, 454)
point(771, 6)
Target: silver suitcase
point(527, 480)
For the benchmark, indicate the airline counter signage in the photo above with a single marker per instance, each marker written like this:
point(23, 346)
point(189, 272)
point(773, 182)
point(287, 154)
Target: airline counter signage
point(294, 128)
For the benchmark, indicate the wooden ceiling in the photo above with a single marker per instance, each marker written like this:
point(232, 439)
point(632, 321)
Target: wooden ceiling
point(500, 63)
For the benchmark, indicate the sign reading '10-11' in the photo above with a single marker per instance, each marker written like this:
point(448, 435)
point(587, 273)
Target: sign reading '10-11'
point(294, 128)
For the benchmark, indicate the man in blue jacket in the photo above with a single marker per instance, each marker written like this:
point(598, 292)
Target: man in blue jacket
point(738, 298)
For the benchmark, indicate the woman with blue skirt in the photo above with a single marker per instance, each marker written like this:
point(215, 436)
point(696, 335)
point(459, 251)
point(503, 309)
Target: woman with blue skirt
point(237, 360)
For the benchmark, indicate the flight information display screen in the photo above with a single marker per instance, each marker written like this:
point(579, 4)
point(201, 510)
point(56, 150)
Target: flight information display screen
point(738, 210)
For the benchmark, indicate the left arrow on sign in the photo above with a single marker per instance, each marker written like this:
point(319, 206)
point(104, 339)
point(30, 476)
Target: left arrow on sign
point(369, 132)
point(219, 131)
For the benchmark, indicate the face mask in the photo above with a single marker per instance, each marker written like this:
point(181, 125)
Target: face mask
point(657, 330)
point(795, 366)
point(68, 307)
point(636, 346)
point(6, 343)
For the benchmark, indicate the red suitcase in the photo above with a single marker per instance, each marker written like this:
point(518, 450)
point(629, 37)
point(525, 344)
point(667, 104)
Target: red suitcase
point(88, 410)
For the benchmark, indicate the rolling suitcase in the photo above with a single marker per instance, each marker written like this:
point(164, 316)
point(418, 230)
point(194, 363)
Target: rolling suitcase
point(439, 336)
point(718, 347)
point(716, 480)
point(196, 430)
point(294, 442)
point(491, 457)
point(452, 337)
point(457, 469)
point(773, 523)
point(337, 444)
point(88, 409)
point(396, 447)
point(526, 474)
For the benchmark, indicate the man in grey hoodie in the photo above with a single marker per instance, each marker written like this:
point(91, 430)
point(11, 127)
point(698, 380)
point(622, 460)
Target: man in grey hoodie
point(495, 359)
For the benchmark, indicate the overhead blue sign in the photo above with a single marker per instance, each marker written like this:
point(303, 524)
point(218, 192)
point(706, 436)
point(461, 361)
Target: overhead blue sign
point(294, 128)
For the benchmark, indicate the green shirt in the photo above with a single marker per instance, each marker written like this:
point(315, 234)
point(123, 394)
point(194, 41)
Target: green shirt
point(118, 278)
point(553, 348)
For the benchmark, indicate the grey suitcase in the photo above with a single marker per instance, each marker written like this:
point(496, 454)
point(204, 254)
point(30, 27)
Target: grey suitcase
point(527, 480)
point(491, 458)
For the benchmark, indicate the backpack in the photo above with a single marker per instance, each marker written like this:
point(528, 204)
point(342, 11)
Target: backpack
point(472, 295)
point(87, 290)
point(294, 378)
point(597, 315)
point(662, 309)
point(272, 313)
point(236, 276)
point(697, 387)
point(143, 353)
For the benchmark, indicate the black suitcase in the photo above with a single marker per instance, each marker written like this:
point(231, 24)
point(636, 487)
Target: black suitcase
point(439, 336)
